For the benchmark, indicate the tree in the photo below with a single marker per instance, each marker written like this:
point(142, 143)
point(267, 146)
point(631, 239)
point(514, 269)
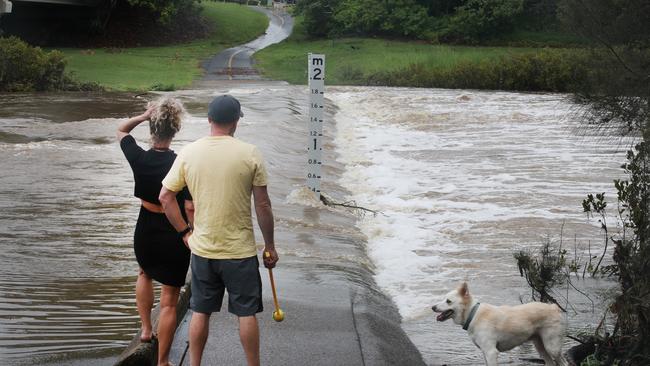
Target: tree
point(616, 96)
point(389, 17)
point(441, 7)
point(165, 10)
point(478, 20)
point(318, 16)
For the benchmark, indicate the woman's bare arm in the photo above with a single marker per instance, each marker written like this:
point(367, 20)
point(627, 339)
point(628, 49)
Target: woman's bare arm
point(125, 127)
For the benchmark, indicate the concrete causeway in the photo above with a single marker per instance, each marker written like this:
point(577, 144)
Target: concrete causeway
point(329, 320)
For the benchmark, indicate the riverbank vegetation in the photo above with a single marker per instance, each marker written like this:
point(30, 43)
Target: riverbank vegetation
point(166, 67)
point(522, 45)
point(616, 100)
point(117, 62)
point(389, 62)
point(439, 21)
point(24, 68)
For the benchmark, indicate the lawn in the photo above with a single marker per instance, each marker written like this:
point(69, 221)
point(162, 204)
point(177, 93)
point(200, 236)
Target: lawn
point(348, 59)
point(168, 67)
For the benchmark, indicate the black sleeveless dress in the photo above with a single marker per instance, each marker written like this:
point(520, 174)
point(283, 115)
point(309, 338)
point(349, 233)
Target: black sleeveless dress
point(158, 248)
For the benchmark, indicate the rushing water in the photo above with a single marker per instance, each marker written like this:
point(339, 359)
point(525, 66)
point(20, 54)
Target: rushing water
point(461, 180)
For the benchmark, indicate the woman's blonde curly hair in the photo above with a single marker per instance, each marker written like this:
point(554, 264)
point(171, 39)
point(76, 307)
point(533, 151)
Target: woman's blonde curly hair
point(166, 118)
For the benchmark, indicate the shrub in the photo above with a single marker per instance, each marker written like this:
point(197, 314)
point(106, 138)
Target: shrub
point(27, 68)
point(317, 15)
point(392, 17)
point(323, 18)
point(478, 20)
point(166, 10)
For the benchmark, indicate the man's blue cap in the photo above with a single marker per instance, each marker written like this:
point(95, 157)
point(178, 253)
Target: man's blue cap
point(224, 109)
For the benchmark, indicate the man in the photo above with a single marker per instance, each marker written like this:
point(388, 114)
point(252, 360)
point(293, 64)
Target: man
point(221, 172)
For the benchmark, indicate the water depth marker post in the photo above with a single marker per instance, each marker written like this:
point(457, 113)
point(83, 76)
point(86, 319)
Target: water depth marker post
point(316, 75)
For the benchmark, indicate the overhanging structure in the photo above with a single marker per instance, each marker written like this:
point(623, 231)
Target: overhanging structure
point(88, 3)
point(5, 6)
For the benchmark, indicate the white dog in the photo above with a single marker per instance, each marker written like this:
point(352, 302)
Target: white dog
point(496, 329)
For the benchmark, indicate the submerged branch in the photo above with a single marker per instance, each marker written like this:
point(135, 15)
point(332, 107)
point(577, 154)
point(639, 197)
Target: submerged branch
point(347, 204)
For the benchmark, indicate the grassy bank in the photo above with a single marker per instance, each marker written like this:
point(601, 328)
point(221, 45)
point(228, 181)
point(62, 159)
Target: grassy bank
point(371, 61)
point(167, 67)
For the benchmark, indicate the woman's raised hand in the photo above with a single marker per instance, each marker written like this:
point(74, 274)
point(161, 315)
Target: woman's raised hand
point(147, 114)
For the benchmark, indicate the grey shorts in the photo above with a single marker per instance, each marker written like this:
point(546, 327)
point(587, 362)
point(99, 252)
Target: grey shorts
point(241, 277)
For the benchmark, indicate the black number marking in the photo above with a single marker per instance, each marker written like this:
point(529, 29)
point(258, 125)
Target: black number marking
point(317, 73)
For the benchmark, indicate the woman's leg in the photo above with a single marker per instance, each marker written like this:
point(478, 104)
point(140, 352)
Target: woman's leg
point(167, 322)
point(144, 302)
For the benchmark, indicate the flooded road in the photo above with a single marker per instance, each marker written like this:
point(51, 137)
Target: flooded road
point(461, 178)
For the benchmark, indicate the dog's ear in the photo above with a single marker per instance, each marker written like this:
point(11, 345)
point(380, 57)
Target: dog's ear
point(463, 290)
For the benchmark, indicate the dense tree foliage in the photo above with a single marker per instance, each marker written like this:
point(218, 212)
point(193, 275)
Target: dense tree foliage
point(461, 21)
point(392, 17)
point(477, 20)
point(166, 10)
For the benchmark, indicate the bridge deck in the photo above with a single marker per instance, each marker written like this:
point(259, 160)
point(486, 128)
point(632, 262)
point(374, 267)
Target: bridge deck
point(86, 3)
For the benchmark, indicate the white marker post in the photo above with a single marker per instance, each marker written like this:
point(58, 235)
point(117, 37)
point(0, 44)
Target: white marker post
point(316, 69)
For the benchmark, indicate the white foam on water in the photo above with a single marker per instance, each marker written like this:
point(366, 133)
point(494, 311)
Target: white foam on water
point(461, 172)
point(303, 196)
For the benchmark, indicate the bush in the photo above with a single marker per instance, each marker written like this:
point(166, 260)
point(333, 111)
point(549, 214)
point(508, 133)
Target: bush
point(392, 17)
point(27, 68)
point(478, 20)
point(328, 18)
point(318, 18)
point(166, 10)
point(24, 68)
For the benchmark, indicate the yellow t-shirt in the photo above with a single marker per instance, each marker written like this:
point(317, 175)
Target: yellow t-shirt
point(220, 172)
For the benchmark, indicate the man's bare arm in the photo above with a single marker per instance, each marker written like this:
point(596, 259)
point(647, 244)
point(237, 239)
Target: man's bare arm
point(189, 211)
point(168, 201)
point(265, 220)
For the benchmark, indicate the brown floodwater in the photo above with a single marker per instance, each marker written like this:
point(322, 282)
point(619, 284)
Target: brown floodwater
point(462, 179)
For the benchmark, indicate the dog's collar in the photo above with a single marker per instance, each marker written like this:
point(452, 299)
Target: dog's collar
point(472, 312)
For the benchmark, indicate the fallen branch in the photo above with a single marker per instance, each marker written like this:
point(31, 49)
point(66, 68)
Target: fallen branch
point(347, 204)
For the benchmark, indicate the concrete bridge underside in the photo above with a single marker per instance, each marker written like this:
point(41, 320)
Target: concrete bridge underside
point(87, 3)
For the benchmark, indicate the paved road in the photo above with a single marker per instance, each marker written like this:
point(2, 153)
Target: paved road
point(236, 63)
point(330, 321)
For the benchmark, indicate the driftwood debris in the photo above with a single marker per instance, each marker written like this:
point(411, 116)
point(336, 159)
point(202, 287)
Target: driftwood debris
point(327, 201)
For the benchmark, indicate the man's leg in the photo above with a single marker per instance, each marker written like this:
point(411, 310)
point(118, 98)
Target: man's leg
point(249, 334)
point(199, 326)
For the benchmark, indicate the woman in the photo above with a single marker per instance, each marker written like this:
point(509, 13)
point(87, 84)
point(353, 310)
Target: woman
point(159, 248)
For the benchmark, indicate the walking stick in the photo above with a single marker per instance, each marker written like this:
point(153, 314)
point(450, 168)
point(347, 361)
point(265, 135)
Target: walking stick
point(278, 314)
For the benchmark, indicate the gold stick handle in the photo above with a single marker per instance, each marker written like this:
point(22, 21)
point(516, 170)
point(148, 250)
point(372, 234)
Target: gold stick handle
point(275, 296)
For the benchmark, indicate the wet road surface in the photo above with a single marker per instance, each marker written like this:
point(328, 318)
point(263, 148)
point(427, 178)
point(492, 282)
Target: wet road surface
point(236, 63)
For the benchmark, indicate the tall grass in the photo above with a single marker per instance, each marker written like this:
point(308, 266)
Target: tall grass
point(370, 61)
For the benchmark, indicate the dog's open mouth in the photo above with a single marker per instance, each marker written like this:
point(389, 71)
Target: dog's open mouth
point(445, 315)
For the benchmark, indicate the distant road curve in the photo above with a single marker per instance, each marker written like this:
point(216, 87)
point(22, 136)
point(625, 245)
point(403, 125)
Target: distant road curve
point(236, 63)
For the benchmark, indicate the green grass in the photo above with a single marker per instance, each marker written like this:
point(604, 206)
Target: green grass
point(548, 38)
point(349, 59)
point(167, 67)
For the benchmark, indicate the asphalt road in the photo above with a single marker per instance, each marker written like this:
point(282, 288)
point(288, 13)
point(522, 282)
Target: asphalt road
point(237, 63)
